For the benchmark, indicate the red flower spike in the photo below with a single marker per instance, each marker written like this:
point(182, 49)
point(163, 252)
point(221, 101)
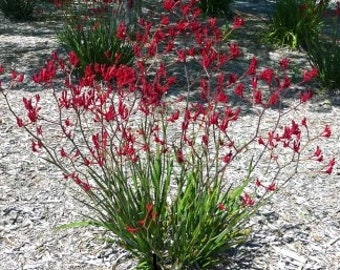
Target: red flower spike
point(237, 23)
point(20, 122)
point(234, 50)
point(257, 97)
point(304, 122)
point(121, 31)
point(149, 207)
point(221, 97)
point(271, 187)
point(273, 99)
point(286, 82)
point(131, 230)
point(73, 58)
point(284, 63)
point(267, 75)
point(169, 4)
point(63, 153)
point(306, 96)
point(221, 207)
point(260, 141)
point(2, 69)
point(252, 66)
point(227, 158)
point(180, 156)
point(247, 200)
point(309, 75)
point(239, 90)
point(165, 20)
point(258, 183)
point(205, 140)
point(327, 132)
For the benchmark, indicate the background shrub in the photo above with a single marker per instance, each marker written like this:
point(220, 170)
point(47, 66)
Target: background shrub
point(92, 36)
point(18, 9)
point(295, 21)
point(216, 7)
point(324, 52)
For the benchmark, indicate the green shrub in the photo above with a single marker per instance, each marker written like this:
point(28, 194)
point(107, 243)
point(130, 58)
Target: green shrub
point(295, 21)
point(93, 38)
point(216, 7)
point(324, 54)
point(20, 10)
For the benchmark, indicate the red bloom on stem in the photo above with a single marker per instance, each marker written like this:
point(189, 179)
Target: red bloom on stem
point(257, 96)
point(121, 31)
point(74, 59)
point(327, 131)
point(310, 74)
point(234, 50)
point(131, 229)
point(330, 166)
point(180, 156)
point(284, 63)
point(221, 207)
point(239, 90)
point(169, 4)
point(267, 75)
point(247, 200)
point(252, 66)
point(305, 96)
point(20, 122)
point(237, 23)
point(227, 158)
point(271, 187)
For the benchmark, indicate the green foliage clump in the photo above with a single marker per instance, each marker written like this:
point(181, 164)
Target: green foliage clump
point(93, 38)
point(216, 7)
point(19, 10)
point(294, 22)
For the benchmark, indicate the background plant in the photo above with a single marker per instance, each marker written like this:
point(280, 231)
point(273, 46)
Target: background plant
point(216, 7)
point(324, 53)
point(159, 171)
point(295, 21)
point(90, 31)
point(18, 10)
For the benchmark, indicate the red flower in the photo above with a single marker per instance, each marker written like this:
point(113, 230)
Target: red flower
point(131, 229)
point(271, 187)
point(284, 63)
point(227, 158)
point(169, 4)
point(74, 60)
point(247, 200)
point(239, 90)
point(180, 156)
point(234, 50)
point(309, 74)
point(257, 96)
point(237, 23)
point(252, 66)
point(267, 75)
point(305, 96)
point(121, 31)
point(165, 20)
point(221, 207)
point(20, 122)
point(327, 131)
